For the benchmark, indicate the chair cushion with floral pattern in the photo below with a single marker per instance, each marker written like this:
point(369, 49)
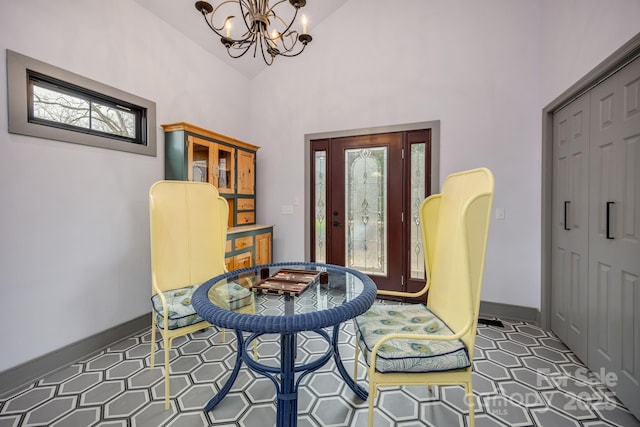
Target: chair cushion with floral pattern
point(180, 311)
point(398, 355)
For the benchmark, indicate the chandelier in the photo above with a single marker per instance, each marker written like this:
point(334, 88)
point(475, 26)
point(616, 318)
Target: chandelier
point(254, 24)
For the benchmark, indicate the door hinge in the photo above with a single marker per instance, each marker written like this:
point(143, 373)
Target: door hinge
point(402, 281)
point(403, 154)
point(402, 217)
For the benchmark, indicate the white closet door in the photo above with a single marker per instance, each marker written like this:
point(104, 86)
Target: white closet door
point(614, 243)
point(569, 302)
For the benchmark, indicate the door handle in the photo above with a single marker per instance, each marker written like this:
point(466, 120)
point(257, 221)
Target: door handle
point(566, 215)
point(608, 220)
point(335, 223)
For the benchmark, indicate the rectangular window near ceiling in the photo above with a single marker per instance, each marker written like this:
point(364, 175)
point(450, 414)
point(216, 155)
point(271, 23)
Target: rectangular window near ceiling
point(48, 102)
point(59, 104)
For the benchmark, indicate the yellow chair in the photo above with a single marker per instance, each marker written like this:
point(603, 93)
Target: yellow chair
point(416, 345)
point(188, 235)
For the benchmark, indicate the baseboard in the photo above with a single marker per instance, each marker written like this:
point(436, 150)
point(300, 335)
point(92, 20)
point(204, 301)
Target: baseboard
point(508, 311)
point(26, 373)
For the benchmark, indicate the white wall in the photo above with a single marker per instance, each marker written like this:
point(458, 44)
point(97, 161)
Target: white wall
point(577, 35)
point(473, 65)
point(74, 251)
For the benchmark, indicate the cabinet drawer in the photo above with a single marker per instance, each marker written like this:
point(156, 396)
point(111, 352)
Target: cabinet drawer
point(245, 218)
point(227, 247)
point(244, 242)
point(243, 260)
point(246, 204)
point(228, 263)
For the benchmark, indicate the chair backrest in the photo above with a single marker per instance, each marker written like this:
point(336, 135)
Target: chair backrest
point(455, 227)
point(188, 233)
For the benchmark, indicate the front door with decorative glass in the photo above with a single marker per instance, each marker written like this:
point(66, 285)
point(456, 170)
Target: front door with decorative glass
point(366, 191)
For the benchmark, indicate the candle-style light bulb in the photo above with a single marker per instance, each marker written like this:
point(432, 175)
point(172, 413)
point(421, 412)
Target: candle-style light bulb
point(227, 25)
point(304, 24)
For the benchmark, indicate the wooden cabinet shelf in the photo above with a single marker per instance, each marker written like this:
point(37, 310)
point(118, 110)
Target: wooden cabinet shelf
point(196, 154)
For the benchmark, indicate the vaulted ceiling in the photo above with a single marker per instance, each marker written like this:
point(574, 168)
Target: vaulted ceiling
point(183, 16)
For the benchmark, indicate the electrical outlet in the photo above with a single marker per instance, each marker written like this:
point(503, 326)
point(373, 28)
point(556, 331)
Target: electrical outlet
point(499, 213)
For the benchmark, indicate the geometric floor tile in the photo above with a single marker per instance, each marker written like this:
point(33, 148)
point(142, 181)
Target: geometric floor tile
point(523, 376)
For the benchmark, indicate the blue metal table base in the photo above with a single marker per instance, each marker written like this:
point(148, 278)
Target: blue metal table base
point(285, 382)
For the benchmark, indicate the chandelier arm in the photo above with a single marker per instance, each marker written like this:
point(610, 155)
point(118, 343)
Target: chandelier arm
point(295, 15)
point(210, 24)
point(291, 55)
point(279, 34)
point(268, 40)
point(291, 35)
point(270, 10)
point(264, 57)
point(244, 46)
point(284, 39)
point(213, 13)
point(255, 47)
point(246, 49)
point(251, 9)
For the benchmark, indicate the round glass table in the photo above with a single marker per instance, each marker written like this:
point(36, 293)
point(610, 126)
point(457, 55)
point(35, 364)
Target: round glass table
point(235, 301)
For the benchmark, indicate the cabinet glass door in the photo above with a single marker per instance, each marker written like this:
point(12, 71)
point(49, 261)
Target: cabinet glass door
point(223, 164)
point(198, 165)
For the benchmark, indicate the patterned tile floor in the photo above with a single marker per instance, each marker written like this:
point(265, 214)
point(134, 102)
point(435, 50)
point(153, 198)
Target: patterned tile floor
point(523, 376)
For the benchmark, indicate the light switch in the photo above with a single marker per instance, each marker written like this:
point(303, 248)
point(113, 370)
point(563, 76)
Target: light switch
point(499, 213)
point(287, 209)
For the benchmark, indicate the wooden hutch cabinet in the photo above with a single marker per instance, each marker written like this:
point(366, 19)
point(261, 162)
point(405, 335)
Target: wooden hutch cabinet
point(196, 154)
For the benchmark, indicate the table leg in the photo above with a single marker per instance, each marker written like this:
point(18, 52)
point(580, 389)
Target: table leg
point(234, 374)
point(360, 391)
point(287, 409)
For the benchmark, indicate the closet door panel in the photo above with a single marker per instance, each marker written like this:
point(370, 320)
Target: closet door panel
point(627, 249)
point(571, 196)
point(604, 287)
point(561, 202)
point(614, 243)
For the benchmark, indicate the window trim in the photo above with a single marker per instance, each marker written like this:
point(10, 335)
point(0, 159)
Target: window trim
point(21, 68)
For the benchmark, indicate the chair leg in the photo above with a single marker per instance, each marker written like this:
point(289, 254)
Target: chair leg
point(167, 348)
point(255, 349)
point(153, 341)
point(355, 359)
point(373, 391)
point(471, 402)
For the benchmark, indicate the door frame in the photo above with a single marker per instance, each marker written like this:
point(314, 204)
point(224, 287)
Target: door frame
point(434, 125)
point(606, 68)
